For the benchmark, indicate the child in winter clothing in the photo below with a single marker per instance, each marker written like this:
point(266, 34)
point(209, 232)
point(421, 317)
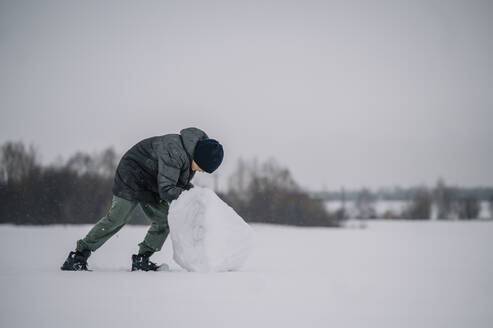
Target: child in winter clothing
point(152, 173)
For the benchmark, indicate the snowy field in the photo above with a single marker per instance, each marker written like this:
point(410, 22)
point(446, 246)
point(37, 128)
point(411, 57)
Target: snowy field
point(392, 274)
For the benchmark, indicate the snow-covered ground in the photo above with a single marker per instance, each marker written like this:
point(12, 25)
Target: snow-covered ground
point(392, 274)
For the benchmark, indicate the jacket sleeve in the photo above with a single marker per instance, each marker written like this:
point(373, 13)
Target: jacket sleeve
point(170, 162)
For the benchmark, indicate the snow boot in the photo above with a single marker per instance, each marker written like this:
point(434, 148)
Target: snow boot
point(76, 261)
point(141, 262)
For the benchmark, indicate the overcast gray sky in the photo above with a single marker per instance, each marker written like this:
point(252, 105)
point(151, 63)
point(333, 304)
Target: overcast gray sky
point(353, 93)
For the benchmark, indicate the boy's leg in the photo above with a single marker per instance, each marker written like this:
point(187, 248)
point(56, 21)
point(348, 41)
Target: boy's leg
point(117, 217)
point(157, 213)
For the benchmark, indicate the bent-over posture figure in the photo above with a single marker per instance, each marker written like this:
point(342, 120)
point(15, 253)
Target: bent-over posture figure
point(152, 173)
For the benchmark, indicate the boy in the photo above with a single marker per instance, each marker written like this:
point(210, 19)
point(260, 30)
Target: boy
point(152, 173)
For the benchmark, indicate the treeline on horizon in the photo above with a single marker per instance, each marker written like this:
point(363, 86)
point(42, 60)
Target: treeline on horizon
point(451, 202)
point(78, 191)
point(404, 194)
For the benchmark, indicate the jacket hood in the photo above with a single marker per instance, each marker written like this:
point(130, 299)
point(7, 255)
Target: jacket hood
point(190, 137)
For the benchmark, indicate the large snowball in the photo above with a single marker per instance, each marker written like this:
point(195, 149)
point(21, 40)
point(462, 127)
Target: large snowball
point(207, 234)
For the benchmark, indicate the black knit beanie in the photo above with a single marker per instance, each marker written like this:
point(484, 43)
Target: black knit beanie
point(208, 155)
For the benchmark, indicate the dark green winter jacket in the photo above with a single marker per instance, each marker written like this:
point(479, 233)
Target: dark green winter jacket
point(158, 168)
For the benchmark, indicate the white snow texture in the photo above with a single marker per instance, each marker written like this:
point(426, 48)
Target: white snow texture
point(207, 234)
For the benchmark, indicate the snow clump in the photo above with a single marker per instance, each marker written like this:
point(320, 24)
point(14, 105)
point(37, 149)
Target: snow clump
point(207, 234)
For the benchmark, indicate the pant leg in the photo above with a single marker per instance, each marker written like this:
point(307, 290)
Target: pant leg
point(117, 217)
point(157, 213)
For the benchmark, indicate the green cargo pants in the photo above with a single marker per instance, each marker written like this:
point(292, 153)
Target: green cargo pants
point(119, 215)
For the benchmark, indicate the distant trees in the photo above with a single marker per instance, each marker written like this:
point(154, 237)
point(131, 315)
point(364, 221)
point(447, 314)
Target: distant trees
point(442, 202)
point(451, 204)
point(17, 162)
point(419, 207)
point(467, 208)
point(267, 193)
point(365, 205)
point(102, 164)
point(444, 197)
point(490, 201)
point(78, 191)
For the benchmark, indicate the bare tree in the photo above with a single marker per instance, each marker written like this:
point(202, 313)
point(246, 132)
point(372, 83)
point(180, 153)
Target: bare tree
point(81, 163)
point(445, 198)
point(33, 194)
point(466, 208)
point(268, 193)
point(106, 162)
point(490, 201)
point(420, 206)
point(103, 163)
point(17, 162)
point(365, 204)
point(239, 180)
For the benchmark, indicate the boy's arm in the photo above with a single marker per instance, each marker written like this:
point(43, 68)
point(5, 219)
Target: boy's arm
point(169, 168)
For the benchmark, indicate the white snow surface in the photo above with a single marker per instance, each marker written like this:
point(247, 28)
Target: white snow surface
point(391, 274)
point(207, 234)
